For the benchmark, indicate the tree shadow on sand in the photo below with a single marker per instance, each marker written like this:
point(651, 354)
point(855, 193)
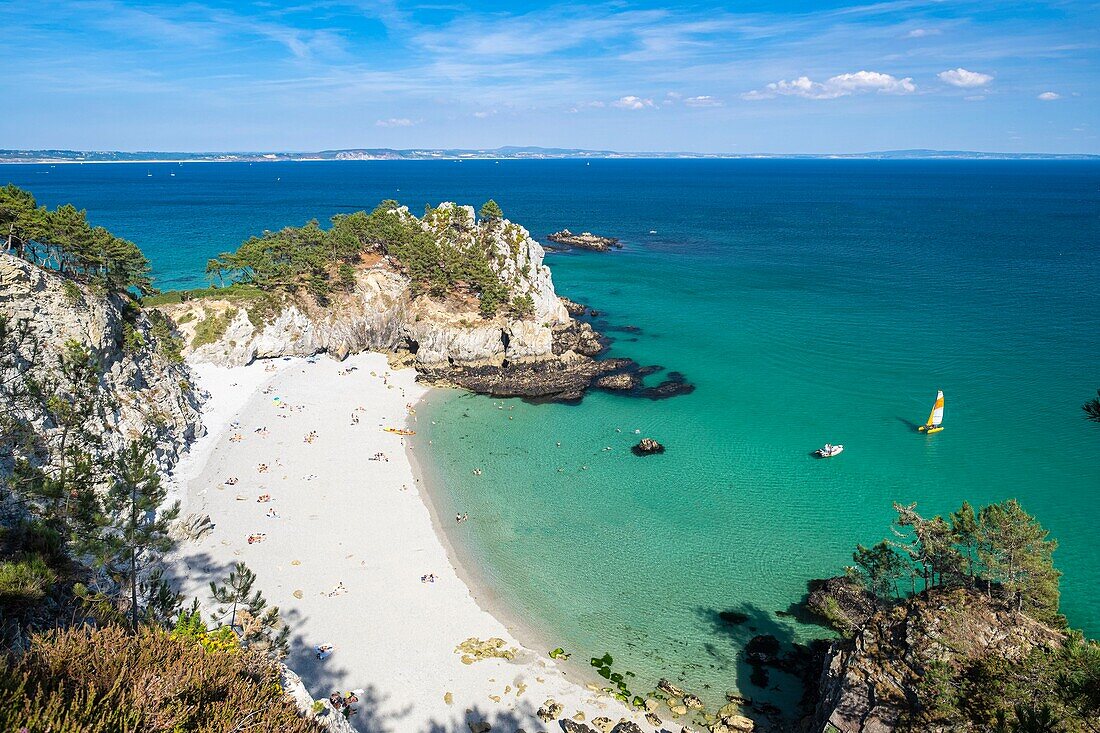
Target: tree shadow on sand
point(772, 666)
point(505, 721)
point(323, 677)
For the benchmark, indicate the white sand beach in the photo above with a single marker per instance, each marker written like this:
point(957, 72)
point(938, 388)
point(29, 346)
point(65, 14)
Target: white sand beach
point(344, 541)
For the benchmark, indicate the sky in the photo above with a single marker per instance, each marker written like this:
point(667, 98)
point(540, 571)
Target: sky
point(736, 77)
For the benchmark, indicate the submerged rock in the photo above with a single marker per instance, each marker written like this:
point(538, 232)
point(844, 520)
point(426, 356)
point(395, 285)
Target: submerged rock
point(646, 447)
point(733, 618)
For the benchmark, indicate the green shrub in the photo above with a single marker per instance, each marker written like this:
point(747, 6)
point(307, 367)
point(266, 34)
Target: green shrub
point(169, 345)
point(26, 580)
point(212, 328)
point(72, 292)
point(523, 305)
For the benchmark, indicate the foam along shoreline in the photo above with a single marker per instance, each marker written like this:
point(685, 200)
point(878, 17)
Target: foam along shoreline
point(346, 538)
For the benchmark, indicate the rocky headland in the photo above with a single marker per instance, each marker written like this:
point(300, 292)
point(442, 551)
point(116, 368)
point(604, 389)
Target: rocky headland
point(585, 240)
point(887, 675)
point(535, 347)
point(147, 388)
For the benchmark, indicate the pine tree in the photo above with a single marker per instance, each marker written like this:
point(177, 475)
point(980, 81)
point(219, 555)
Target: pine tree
point(931, 546)
point(964, 528)
point(879, 569)
point(1016, 554)
point(135, 534)
point(249, 616)
point(490, 211)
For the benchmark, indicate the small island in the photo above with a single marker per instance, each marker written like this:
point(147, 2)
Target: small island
point(585, 240)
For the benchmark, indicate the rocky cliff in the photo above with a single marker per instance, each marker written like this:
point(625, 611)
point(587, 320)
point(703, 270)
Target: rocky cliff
point(893, 673)
point(531, 348)
point(150, 392)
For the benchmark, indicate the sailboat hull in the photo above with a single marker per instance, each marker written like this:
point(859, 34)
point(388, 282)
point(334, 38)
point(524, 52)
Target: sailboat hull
point(928, 430)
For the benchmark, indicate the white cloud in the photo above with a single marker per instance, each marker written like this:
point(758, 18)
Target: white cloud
point(841, 85)
point(1049, 96)
point(703, 101)
point(395, 122)
point(482, 114)
point(922, 32)
point(960, 77)
point(632, 102)
point(974, 97)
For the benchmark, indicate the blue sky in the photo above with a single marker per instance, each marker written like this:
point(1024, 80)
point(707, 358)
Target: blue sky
point(736, 77)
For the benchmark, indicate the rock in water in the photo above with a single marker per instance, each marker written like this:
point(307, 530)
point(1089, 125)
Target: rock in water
point(646, 447)
point(669, 689)
point(573, 307)
point(585, 240)
point(572, 726)
point(618, 382)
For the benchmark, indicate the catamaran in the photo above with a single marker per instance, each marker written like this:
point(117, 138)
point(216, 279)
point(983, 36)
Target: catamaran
point(935, 419)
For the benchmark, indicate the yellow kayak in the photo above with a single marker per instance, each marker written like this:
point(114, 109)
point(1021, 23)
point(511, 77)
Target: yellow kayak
point(399, 431)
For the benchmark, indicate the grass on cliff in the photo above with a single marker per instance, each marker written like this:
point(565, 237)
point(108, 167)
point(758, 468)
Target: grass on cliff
point(100, 680)
point(212, 328)
point(237, 292)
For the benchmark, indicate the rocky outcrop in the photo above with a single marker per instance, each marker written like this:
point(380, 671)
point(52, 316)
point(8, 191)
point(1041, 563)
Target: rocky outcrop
point(151, 393)
point(572, 307)
point(534, 350)
point(872, 682)
point(585, 240)
point(647, 447)
point(842, 602)
point(332, 719)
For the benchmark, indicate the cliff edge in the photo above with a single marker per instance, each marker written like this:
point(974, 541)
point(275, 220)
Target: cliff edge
point(149, 387)
point(528, 346)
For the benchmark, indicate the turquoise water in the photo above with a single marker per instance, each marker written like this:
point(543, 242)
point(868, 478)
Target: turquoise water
point(808, 301)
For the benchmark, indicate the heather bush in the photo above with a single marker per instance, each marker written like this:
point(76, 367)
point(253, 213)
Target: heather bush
point(93, 680)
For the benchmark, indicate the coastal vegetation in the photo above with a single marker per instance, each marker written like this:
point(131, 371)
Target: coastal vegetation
point(94, 637)
point(61, 239)
point(1000, 548)
point(108, 679)
point(443, 252)
point(962, 612)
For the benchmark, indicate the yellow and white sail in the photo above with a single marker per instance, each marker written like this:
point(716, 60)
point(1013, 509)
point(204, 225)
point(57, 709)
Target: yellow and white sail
point(935, 418)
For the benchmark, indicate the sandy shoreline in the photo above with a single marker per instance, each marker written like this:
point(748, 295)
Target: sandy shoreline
point(345, 542)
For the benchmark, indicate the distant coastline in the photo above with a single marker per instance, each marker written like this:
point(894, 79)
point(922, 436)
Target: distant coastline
point(502, 153)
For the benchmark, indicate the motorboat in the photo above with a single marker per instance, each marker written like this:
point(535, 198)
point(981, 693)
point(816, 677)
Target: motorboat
point(829, 450)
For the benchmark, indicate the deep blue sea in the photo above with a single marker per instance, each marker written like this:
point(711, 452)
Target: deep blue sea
point(808, 301)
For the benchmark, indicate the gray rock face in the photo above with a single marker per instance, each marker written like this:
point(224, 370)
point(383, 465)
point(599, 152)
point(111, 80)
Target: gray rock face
point(153, 395)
